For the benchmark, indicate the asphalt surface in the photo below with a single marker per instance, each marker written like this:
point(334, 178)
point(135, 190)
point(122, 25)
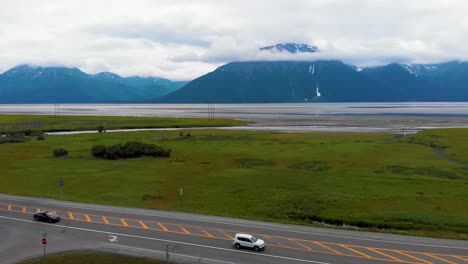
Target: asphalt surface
point(191, 238)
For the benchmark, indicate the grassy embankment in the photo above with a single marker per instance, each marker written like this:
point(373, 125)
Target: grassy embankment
point(90, 257)
point(48, 123)
point(369, 180)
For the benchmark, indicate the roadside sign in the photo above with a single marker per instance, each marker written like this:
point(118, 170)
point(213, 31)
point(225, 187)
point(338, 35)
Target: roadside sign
point(44, 235)
point(44, 243)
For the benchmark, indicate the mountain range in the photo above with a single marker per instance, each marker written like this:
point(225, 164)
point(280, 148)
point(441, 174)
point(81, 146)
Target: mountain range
point(30, 84)
point(246, 82)
point(325, 81)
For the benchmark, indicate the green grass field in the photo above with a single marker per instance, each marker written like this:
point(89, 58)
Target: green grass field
point(48, 123)
point(90, 257)
point(368, 180)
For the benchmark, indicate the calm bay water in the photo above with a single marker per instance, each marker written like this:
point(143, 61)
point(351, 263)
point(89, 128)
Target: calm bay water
point(241, 110)
point(358, 117)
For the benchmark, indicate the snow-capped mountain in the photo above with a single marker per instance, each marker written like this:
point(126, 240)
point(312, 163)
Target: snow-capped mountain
point(291, 48)
point(325, 81)
point(419, 69)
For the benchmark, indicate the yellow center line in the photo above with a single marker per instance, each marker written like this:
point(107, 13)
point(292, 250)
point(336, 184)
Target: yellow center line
point(143, 224)
point(229, 237)
point(123, 222)
point(461, 257)
point(226, 234)
point(206, 233)
point(9, 207)
point(163, 227)
point(185, 230)
point(386, 255)
point(444, 260)
point(413, 257)
point(329, 248)
point(355, 251)
point(300, 244)
point(88, 219)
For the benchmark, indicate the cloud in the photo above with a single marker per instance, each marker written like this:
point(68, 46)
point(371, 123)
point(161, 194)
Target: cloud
point(185, 39)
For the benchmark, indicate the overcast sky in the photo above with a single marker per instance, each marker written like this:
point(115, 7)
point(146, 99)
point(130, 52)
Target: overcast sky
point(182, 40)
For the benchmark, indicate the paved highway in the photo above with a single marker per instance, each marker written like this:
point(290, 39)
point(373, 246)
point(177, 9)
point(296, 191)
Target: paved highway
point(192, 238)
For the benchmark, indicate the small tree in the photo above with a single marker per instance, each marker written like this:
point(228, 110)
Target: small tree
point(60, 152)
point(40, 137)
point(101, 129)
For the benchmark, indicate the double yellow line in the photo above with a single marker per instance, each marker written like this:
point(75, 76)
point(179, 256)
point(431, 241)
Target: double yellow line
point(390, 255)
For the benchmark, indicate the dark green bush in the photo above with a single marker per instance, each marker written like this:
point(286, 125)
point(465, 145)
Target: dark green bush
point(40, 137)
point(131, 149)
point(101, 129)
point(60, 152)
point(98, 150)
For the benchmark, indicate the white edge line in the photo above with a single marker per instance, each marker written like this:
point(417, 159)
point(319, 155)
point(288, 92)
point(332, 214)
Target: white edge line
point(164, 240)
point(163, 252)
point(236, 224)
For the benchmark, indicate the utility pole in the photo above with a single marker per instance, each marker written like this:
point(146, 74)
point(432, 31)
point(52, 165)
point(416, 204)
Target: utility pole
point(56, 110)
point(210, 111)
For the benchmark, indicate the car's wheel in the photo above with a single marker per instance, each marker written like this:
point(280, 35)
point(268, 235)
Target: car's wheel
point(237, 245)
point(50, 220)
point(35, 218)
point(256, 248)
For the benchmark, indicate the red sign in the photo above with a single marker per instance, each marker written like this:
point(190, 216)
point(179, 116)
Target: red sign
point(44, 241)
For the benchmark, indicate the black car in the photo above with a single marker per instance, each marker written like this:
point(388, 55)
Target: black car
point(47, 216)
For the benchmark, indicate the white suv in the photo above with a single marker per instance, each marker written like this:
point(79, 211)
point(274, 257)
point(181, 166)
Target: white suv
point(248, 241)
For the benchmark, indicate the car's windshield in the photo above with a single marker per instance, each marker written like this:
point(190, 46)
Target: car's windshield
point(254, 239)
point(50, 214)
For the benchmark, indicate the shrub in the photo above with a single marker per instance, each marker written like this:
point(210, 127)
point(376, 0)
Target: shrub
point(40, 137)
point(98, 150)
point(101, 129)
point(60, 152)
point(131, 149)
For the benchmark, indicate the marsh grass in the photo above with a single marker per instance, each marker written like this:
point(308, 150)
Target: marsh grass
point(342, 179)
point(50, 123)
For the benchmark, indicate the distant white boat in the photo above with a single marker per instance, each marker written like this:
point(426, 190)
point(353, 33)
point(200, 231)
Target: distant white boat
point(318, 91)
